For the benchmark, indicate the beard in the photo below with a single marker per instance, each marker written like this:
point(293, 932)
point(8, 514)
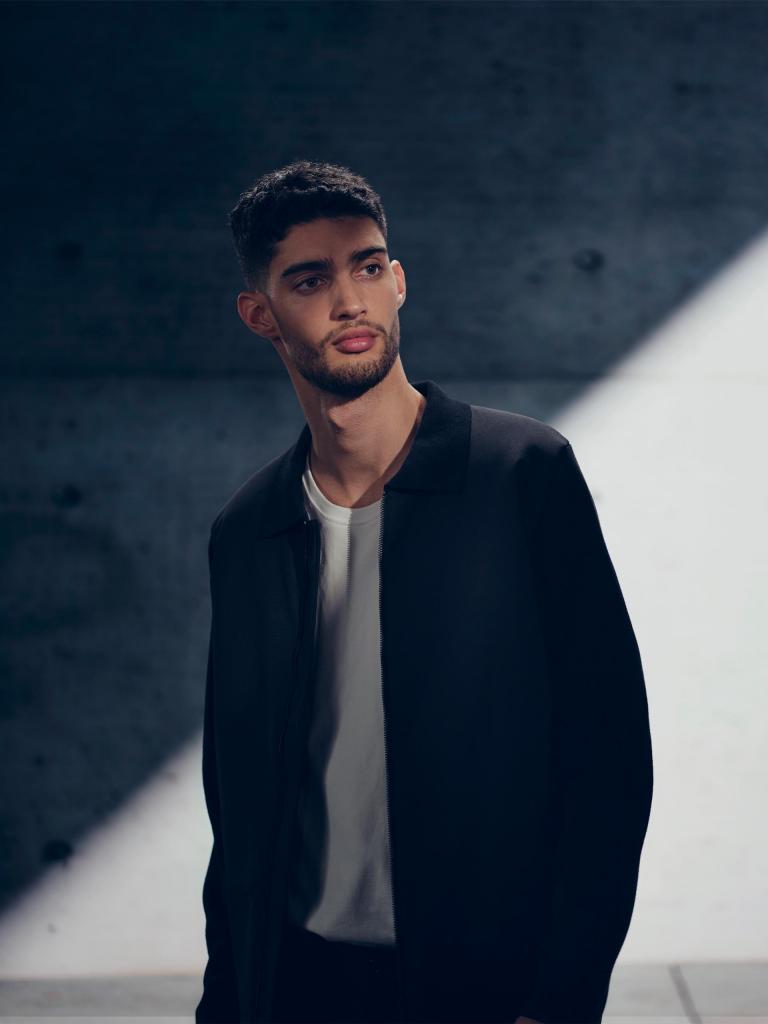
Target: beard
point(356, 374)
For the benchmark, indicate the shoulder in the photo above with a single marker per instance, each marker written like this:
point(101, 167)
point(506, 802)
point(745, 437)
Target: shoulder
point(513, 437)
point(540, 464)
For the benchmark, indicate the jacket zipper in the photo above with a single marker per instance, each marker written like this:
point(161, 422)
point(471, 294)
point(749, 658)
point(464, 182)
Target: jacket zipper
point(305, 523)
point(386, 759)
point(299, 636)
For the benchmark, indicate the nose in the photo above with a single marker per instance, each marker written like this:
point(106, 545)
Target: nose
point(348, 304)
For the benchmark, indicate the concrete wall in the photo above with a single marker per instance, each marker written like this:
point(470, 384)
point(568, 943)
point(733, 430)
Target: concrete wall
point(560, 179)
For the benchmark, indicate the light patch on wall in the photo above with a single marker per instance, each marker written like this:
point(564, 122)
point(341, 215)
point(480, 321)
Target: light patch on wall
point(129, 900)
point(673, 446)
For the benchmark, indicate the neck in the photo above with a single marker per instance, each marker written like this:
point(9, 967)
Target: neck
point(358, 444)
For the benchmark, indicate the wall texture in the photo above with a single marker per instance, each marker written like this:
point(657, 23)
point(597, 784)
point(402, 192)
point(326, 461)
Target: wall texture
point(558, 177)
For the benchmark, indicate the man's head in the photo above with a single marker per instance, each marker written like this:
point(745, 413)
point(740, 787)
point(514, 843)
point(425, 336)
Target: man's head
point(311, 239)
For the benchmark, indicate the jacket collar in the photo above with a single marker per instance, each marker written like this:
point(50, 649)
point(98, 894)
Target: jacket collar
point(437, 459)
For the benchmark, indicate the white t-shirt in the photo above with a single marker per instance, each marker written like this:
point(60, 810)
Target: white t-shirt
point(340, 883)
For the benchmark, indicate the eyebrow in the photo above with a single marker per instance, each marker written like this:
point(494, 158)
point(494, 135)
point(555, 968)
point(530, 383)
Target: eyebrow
point(354, 257)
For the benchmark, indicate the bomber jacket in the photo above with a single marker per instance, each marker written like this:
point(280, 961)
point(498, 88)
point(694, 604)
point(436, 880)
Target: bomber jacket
point(518, 747)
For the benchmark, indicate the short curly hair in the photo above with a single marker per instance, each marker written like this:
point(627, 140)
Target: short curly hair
point(297, 193)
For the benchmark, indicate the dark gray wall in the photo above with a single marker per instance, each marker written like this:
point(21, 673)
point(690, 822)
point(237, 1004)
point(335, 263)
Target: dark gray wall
point(558, 177)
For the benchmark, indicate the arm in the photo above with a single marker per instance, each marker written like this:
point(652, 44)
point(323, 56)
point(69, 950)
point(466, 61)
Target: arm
point(601, 756)
point(219, 1001)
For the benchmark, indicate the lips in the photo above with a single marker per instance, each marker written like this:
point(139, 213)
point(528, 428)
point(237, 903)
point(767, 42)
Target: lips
point(355, 332)
point(355, 339)
point(356, 343)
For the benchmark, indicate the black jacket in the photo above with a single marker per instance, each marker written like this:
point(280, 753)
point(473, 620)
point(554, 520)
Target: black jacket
point(518, 745)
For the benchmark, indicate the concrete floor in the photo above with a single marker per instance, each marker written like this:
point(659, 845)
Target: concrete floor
point(696, 993)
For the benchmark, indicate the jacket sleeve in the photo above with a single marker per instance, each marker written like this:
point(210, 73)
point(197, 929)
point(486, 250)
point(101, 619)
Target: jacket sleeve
point(219, 1002)
point(602, 775)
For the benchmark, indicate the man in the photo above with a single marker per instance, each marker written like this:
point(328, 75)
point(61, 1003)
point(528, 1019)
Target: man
point(426, 757)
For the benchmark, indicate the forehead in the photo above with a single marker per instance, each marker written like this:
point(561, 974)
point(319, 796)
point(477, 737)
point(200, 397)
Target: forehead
point(327, 238)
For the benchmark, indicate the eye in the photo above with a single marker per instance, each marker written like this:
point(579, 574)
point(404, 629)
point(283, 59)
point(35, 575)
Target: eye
point(300, 285)
point(305, 281)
